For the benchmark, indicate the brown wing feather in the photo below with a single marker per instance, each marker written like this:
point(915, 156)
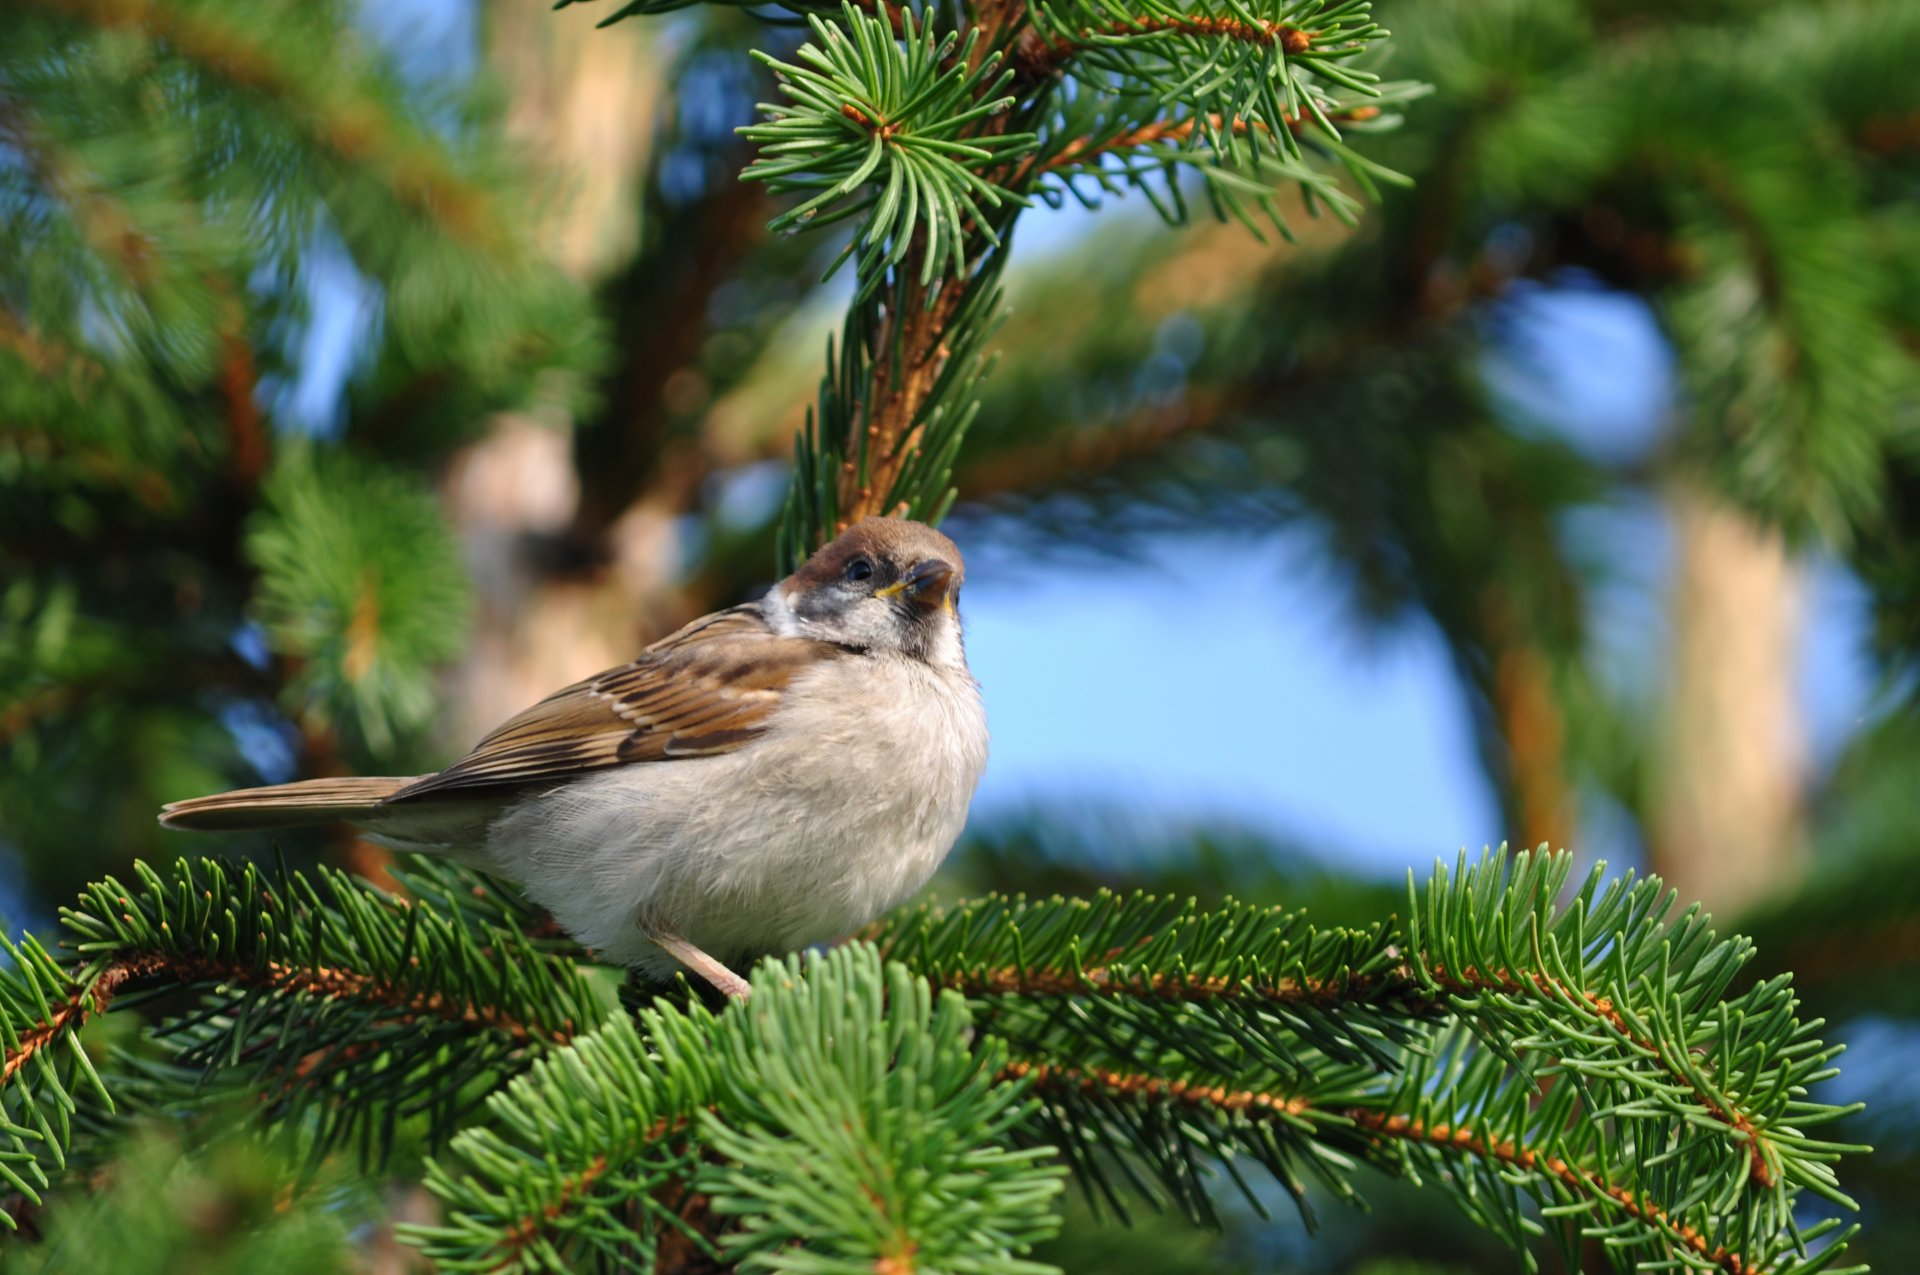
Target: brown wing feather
point(704, 690)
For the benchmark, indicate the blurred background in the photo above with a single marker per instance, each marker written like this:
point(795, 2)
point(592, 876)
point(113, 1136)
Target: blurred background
point(369, 371)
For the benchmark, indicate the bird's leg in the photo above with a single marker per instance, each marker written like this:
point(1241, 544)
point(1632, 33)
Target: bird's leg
point(722, 978)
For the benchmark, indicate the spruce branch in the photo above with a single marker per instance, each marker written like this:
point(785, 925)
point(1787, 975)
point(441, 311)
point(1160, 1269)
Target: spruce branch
point(917, 164)
point(323, 995)
point(1041, 55)
point(843, 1120)
point(1572, 1064)
point(1082, 150)
point(353, 129)
point(898, 395)
point(931, 146)
point(1380, 1137)
point(1579, 1182)
point(1236, 62)
point(1585, 1045)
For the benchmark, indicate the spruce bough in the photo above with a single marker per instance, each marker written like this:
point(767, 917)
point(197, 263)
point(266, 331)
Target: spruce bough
point(1570, 1070)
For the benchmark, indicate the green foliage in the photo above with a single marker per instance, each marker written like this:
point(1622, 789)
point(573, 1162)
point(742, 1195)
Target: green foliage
point(854, 1123)
point(856, 1075)
point(1579, 1067)
point(931, 146)
point(1243, 175)
point(1575, 1068)
point(1583, 1057)
point(362, 584)
point(179, 179)
point(912, 102)
point(221, 1214)
point(136, 247)
point(346, 1012)
point(1770, 268)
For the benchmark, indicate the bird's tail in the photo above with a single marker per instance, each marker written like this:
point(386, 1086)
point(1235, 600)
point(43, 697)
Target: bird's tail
point(282, 806)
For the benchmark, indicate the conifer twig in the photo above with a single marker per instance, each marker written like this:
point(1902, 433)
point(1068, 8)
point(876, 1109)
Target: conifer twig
point(356, 131)
point(1046, 1079)
point(908, 355)
point(1038, 55)
point(1179, 132)
point(1409, 988)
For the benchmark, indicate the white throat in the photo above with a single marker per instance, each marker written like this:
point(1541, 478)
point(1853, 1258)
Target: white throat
point(780, 616)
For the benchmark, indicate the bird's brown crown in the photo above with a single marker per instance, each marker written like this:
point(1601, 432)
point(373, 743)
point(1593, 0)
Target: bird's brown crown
point(897, 542)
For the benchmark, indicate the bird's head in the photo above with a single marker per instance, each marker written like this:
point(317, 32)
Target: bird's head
point(884, 584)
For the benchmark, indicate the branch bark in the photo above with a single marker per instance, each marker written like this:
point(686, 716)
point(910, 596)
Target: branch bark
point(907, 351)
point(1401, 987)
point(1038, 56)
point(86, 999)
point(1380, 1129)
point(1081, 149)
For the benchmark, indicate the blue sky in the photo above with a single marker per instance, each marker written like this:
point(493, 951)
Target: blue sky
point(1217, 678)
point(1277, 713)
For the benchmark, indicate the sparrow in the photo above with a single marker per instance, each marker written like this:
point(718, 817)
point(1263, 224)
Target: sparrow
point(771, 776)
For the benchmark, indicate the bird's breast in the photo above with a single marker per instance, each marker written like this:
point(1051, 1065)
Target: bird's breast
point(888, 749)
point(841, 810)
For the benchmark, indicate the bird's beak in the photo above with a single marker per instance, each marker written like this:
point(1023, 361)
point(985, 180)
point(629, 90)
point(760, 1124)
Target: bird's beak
point(929, 586)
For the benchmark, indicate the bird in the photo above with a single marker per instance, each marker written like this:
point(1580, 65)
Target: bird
point(772, 776)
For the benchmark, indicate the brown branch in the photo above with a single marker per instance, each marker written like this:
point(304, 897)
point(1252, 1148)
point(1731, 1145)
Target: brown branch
point(1046, 1077)
point(908, 348)
point(1084, 453)
point(527, 1228)
point(1400, 985)
point(1038, 56)
point(349, 983)
point(1379, 1128)
point(83, 1001)
point(1099, 980)
point(1080, 149)
point(629, 456)
point(1891, 134)
point(905, 369)
point(239, 383)
point(1533, 727)
point(524, 1231)
point(1577, 1179)
point(1471, 981)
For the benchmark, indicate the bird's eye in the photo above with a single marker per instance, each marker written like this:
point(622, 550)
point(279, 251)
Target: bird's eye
point(860, 569)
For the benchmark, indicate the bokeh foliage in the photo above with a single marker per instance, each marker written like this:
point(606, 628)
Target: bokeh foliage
point(181, 540)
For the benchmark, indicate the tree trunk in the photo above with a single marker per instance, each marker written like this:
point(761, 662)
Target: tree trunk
point(583, 104)
point(1726, 818)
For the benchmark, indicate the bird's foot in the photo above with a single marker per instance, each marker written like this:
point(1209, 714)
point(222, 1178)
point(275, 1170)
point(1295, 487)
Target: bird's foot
point(723, 979)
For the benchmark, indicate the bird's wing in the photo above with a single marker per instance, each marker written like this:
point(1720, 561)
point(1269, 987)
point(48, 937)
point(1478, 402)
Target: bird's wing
point(704, 690)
